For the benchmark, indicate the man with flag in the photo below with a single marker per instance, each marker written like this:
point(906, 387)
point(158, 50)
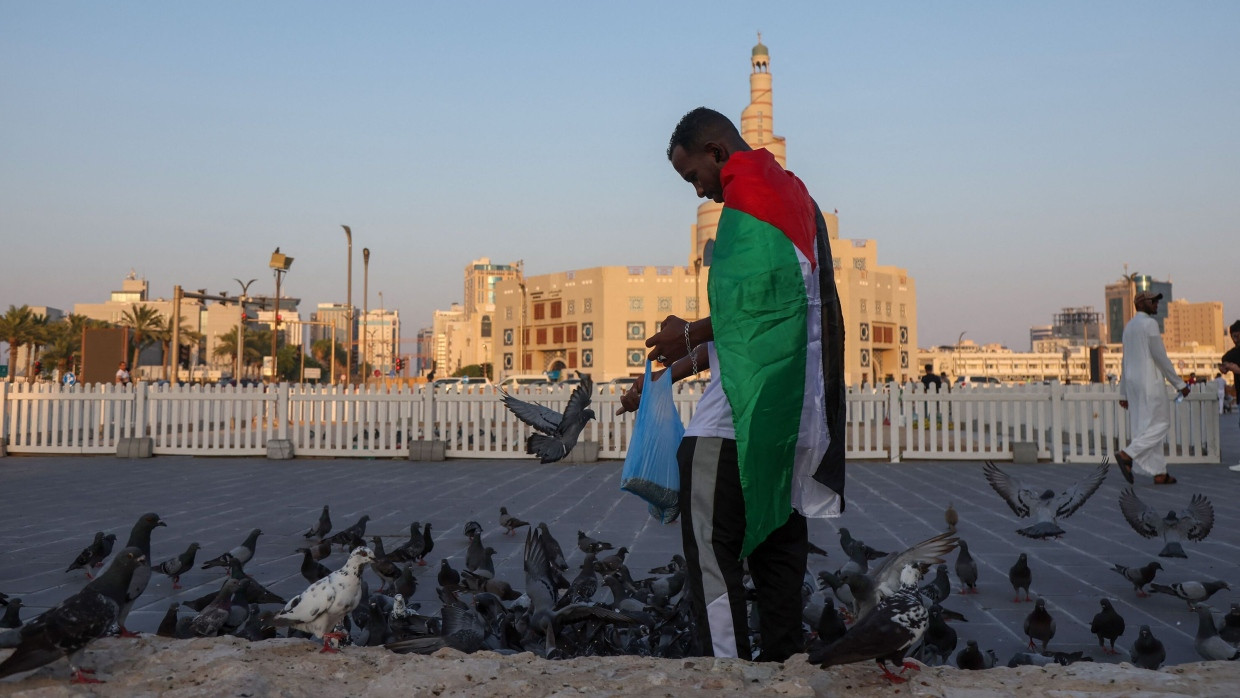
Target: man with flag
point(765, 448)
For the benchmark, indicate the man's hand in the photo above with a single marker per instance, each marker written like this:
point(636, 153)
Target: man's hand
point(668, 344)
point(1123, 403)
point(1186, 390)
point(631, 399)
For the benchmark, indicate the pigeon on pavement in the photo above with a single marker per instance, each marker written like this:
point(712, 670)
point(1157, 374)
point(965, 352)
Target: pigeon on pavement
point(1039, 625)
point(242, 553)
point(1139, 576)
point(210, 621)
point(939, 640)
point(1191, 592)
point(1045, 506)
point(140, 538)
point(350, 535)
point(509, 522)
point(885, 634)
point(939, 588)
point(559, 431)
point(1230, 629)
point(966, 569)
point(1193, 523)
point(971, 658)
point(91, 555)
point(12, 614)
point(428, 544)
point(1209, 645)
point(411, 549)
point(586, 544)
point(554, 552)
point(1148, 652)
point(472, 529)
point(951, 517)
point(856, 549)
point(322, 528)
point(1108, 624)
point(1021, 577)
point(65, 629)
point(326, 602)
point(387, 570)
point(312, 570)
point(179, 565)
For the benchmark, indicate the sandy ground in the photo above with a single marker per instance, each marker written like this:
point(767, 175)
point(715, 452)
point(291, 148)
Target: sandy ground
point(154, 666)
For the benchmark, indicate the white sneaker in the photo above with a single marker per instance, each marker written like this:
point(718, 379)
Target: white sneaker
point(1235, 467)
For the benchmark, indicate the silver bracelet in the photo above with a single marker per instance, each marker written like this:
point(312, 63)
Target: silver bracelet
point(689, 346)
point(693, 358)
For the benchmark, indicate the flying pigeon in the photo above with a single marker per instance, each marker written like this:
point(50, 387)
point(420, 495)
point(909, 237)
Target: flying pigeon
point(1108, 624)
point(1209, 645)
point(1021, 577)
point(321, 528)
point(326, 602)
point(1191, 592)
point(1193, 523)
point(179, 565)
point(242, 553)
point(1148, 652)
point(140, 538)
point(1039, 625)
point(966, 569)
point(1139, 576)
point(509, 522)
point(65, 629)
point(559, 431)
point(1046, 507)
point(886, 633)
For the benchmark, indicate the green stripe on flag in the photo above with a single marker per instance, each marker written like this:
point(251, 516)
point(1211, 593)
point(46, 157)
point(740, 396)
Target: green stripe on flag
point(758, 313)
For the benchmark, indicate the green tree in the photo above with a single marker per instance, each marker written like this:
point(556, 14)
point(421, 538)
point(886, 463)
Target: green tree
point(16, 326)
point(37, 336)
point(474, 371)
point(187, 338)
point(64, 345)
point(145, 323)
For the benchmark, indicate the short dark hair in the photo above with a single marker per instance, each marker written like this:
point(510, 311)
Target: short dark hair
point(1235, 326)
point(699, 126)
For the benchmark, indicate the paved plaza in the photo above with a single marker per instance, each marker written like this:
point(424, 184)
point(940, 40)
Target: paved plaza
point(53, 505)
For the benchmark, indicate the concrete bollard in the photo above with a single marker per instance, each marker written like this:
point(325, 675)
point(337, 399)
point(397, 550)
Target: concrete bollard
point(427, 450)
point(279, 449)
point(135, 447)
point(583, 452)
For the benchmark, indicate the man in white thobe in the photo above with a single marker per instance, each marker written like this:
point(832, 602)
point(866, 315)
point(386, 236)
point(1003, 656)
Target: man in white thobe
point(1143, 394)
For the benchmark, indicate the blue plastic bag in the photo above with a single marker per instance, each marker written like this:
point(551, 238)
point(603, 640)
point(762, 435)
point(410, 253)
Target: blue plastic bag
point(650, 468)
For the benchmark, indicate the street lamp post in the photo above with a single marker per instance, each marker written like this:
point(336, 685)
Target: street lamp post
point(245, 290)
point(279, 264)
point(362, 361)
point(348, 354)
point(958, 341)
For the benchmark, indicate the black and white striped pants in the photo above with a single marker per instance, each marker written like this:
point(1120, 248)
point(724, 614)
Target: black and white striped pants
point(712, 523)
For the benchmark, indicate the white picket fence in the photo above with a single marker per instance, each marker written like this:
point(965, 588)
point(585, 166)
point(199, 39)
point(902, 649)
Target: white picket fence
point(1065, 424)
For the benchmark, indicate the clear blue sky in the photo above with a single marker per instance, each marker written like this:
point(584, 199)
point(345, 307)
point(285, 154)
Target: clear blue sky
point(1012, 156)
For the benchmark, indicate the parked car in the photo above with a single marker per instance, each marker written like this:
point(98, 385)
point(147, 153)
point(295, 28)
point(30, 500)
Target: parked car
point(965, 381)
point(523, 380)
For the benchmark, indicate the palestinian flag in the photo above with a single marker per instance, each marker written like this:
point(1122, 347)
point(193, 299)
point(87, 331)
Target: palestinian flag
point(767, 315)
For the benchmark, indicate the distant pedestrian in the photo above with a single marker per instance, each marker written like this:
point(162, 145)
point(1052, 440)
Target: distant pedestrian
point(931, 378)
point(122, 374)
point(1145, 367)
point(1220, 384)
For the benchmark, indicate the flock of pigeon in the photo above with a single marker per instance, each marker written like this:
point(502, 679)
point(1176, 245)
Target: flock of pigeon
point(875, 607)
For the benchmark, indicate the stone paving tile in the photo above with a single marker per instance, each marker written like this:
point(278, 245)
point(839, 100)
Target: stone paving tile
point(53, 505)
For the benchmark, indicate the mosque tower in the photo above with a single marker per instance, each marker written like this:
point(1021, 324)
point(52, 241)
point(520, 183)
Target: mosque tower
point(758, 130)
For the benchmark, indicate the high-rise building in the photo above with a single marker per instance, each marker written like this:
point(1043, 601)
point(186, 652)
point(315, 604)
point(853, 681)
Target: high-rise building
point(382, 332)
point(1120, 296)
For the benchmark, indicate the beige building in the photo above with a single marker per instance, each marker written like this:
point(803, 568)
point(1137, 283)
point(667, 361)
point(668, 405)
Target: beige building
point(1195, 326)
point(382, 333)
point(1065, 363)
point(464, 334)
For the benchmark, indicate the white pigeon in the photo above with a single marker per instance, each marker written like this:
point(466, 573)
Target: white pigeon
point(325, 603)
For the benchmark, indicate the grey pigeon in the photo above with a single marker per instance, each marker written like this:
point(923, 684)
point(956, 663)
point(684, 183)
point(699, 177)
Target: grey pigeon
point(830, 626)
point(1193, 523)
point(586, 544)
point(966, 569)
point(885, 634)
point(387, 570)
point(858, 550)
point(407, 584)
point(1139, 576)
point(322, 527)
point(1039, 625)
point(840, 588)
point(140, 538)
point(1230, 629)
point(939, 588)
point(971, 658)
point(472, 529)
point(1191, 592)
point(428, 544)
point(168, 625)
point(412, 549)
point(351, 536)
point(1148, 652)
point(1044, 506)
point(559, 432)
point(210, 621)
point(65, 629)
point(326, 602)
point(509, 522)
point(90, 556)
point(242, 553)
point(179, 565)
point(312, 570)
point(1021, 577)
point(12, 614)
point(939, 640)
point(886, 578)
point(1108, 624)
point(1209, 645)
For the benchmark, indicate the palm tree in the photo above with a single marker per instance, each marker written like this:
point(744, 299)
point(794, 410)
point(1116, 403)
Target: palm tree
point(145, 322)
point(257, 344)
point(38, 336)
point(15, 328)
point(188, 338)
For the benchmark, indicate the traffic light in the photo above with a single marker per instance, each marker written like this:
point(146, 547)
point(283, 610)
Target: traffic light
point(183, 356)
point(399, 364)
point(38, 367)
